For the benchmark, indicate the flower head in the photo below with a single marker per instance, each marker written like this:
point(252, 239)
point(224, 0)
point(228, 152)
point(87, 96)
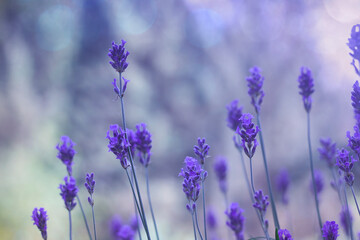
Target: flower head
point(345, 222)
point(330, 230)
point(220, 168)
point(126, 233)
point(118, 55)
point(118, 144)
point(327, 151)
point(40, 217)
point(69, 192)
point(354, 45)
point(354, 141)
point(235, 220)
point(66, 152)
point(90, 185)
point(319, 182)
point(255, 82)
point(306, 85)
point(143, 143)
point(193, 174)
point(282, 184)
point(248, 133)
point(345, 162)
point(355, 101)
point(234, 115)
point(284, 234)
point(261, 202)
point(201, 150)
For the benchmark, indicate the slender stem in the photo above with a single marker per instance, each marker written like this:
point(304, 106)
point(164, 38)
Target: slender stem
point(136, 213)
point(83, 214)
point(336, 185)
point(348, 216)
point(204, 209)
point(151, 208)
point(312, 173)
point(131, 159)
point(197, 224)
point(353, 193)
point(264, 227)
point(251, 177)
point(70, 225)
point(192, 216)
point(93, 215)
point(272, 202)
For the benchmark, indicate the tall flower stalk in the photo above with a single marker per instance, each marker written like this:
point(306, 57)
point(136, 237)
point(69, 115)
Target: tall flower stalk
point(66, 154)
point(306, 85)
point(90, 186)
point(40, 218)
point(118, 55)
point(255, 82)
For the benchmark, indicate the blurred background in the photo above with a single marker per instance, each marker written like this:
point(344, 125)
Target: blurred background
point(188, 60)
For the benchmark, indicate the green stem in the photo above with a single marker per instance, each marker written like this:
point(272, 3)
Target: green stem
point(353, 193)
point(151, 208)
point(348, 216)
point(204, 209)
point(197, 224)
point(83, 214)
point(70, 225)
point(312, 173)
point(136, 212)
point(192, 216)
point(93, 215)
point(272, 202)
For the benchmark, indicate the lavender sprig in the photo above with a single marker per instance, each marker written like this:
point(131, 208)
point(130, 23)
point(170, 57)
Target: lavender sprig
point(261, 203)
point(90, 186)
point(234, 115)
point(327, 151)
point(282, 185)
point(354, 45)
point(306, 85)
point(284, 234)
point(220, 169)
point(346, 220)
point(319, 182)
point(255, 82)
point(330, 230)
point(355, 101)
point(40, 218)
point(354, 141)
point(119, 55)
point(236, 220)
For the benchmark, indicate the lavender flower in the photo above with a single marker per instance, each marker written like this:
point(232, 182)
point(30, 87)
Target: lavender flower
point(211, 219)
point(234, 115)
point(115, 225)
point(345, 162)
point(132, 140)
point(192, 174)
point(282, 185)
point(118, 55)
point(118, 144)
point(40, 217)
point(344, 220)
point(354, 141)
point(90, 185)
point(255, 82)
point(330, 230)
point(117, 89)
point(261, 202)
point(68, 192)
point(306, 85)
point(143, 143)
point(66, 152)
point(220, 168)
point(355, 101)
point(284, 234)
point(354, 45)
point(201, 150)
point(126, 233)
point(319, 182)
point(327, 151)
point(248, 134)
point(134, 223)
point(236, 220)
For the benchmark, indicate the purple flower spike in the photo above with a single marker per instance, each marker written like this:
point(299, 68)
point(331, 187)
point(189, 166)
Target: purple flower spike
point(118, 144)
point(126, 233)
point(261, 202)
point(90, 185)
point(355, 101)
point(255, 82)
point(66, 152)
point(115, 225)
point(319, 182)
point(284, 234)
point(282, 185)
point(354, 45)
point(330, 230)
point(211, 219)
point(344, 221)
point(143, 143)
point(192, 174)
point(118, 55)
point(201, 150)
point(40, 218)
point(220, 168)
point(236, 220)
point(248, 134)
point(117, 89)
point(234, 115)
point(327, 151)
point(306, 85)
point(354, 141)
point(345, 162)
point(69, 192)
